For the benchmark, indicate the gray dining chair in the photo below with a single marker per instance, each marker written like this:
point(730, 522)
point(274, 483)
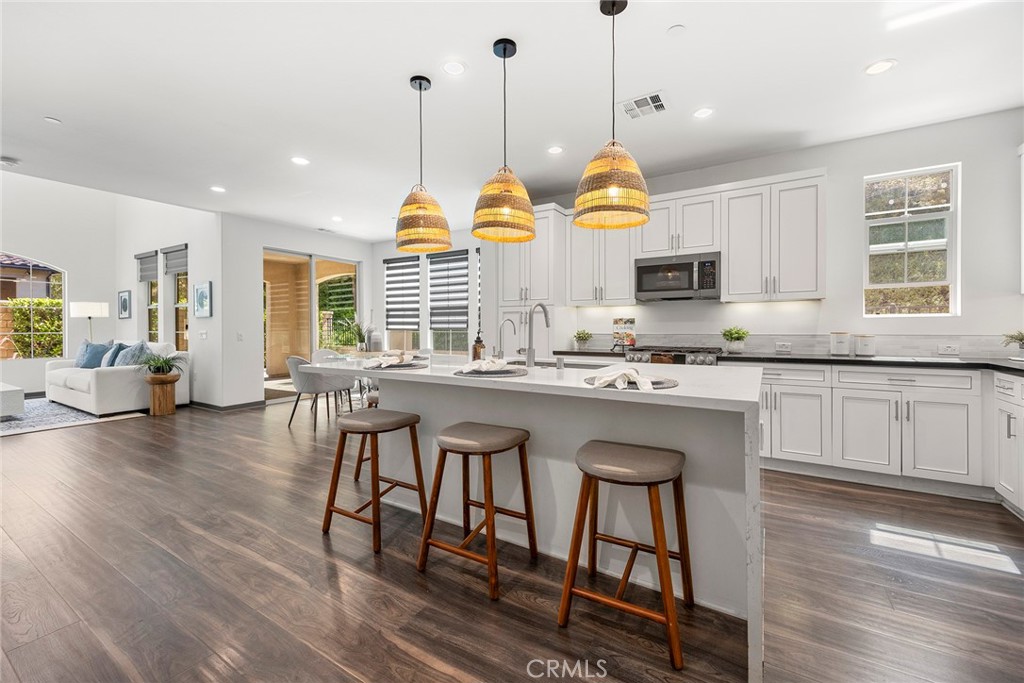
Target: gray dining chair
point(308, 383)
point(337, 384)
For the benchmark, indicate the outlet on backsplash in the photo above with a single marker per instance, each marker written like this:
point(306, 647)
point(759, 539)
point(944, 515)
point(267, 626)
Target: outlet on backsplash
point(949, 349)
point(783, 347)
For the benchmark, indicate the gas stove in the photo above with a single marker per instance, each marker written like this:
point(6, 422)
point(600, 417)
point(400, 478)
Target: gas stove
point(678, 355)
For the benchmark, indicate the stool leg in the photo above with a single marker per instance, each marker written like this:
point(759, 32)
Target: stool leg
point(592, 531)
point(665, 578)
point(348, 392)
point(531, 527)
point(492, 540)
point(359, 460)
point(428, 524)
point(575, 545)
point(415, 441)
point(465, 496)
point(333, 492)
point(375, 490)
point(684, 543)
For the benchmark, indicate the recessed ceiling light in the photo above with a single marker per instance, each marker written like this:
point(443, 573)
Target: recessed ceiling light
point(675, 30)
point(300, 161)
point(51, 119)
point(336, 219)
point(454, 68)
point(703, 113)
point(217, 188)
point(555, 149)
point(880, 67)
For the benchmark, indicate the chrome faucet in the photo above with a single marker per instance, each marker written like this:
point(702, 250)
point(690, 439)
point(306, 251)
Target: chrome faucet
point(501, 340)
point(531, 353)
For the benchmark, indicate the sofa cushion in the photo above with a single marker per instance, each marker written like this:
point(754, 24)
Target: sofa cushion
point(80, 356)
point(58, 378)
point(79, 381)
point(133, 355)
point(110, 356)
point(93, 355)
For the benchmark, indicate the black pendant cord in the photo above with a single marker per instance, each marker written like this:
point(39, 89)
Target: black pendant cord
point(504, 113)
point(613, 76)
point(421, 137)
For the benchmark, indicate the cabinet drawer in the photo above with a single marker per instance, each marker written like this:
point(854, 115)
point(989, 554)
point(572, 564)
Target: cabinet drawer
point(1010, 388)
point(796, 374)
point(916, 379)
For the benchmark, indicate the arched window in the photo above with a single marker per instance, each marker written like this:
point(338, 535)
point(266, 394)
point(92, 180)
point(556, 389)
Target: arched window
point(31, 308)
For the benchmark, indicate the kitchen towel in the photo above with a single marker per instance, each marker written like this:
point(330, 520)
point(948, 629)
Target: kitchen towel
point(622, 378)
point(485, 365)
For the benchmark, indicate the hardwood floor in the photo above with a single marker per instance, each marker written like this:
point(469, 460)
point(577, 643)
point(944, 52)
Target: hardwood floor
point(188, 548)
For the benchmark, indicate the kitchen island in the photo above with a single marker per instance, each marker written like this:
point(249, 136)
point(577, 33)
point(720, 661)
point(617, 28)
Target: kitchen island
point(712, 416)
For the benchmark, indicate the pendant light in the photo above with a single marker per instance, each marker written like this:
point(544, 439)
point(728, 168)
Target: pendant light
point(421, 226)
point(504, 212)
point(612, 193)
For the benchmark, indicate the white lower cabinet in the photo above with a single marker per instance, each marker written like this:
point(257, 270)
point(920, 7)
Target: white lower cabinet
point(867, 430)
point(801, 424)
point(942, 437)
point(1009, 452)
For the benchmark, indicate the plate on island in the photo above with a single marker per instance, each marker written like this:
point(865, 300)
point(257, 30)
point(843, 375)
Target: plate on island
point(400, 366)
point(656, 382)
point(504, 372)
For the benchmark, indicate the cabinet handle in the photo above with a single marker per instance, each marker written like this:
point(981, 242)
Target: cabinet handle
point(527, 289)
point(595, 292)
point(775, 284)
point(775, 404)
point(901, 379)
point(770, 373)
point(897, 418)
point(908, 411)
point(760, 444)
point(600, 293)
point(1010, 419)
point(765, 284)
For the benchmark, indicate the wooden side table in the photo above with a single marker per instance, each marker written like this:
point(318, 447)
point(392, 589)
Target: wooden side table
point(161, 393)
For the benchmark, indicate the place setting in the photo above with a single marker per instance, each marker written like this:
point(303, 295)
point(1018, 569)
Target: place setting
point(396, 361)
point(490, 367)
point(629, 379)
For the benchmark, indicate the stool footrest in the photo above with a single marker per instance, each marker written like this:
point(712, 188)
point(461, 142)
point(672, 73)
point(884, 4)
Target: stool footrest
point(392, 485)
point(500, 510)
point(626, 543)
point(473, 534)
point(628, 607)
point(461, 552)
point(351, 515)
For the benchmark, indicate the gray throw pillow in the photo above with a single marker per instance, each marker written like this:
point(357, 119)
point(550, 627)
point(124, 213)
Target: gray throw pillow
point(110, 356)
point(80, 356)
point(94, 355)
point(133, 355)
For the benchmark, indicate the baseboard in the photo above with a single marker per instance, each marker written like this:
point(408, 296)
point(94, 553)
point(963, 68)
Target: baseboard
point(1014, 510)
point(35, 394)
point(226, 409)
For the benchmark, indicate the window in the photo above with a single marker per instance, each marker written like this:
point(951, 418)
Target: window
point(181, 311)
point(336, 304)
point(448, 288)
point(31, 309)
point(153, 311)
point(402, 302)
point(912, 221)
point(479, 294)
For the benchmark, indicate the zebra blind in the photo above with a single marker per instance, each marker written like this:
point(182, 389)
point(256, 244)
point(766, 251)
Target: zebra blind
point(175, 259)
point(147, 262)
point(448, 274)
point(402, 293)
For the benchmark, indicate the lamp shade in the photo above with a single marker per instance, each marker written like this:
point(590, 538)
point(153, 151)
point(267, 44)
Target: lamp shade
point(503, 210)
point(89, 309)
point(612, 193)
point(422, 226)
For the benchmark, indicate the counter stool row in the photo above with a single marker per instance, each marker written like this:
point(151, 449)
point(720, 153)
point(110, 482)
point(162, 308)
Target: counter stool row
point(599, 461)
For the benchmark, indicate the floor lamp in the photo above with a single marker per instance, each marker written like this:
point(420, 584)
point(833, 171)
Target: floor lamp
point(90, 310)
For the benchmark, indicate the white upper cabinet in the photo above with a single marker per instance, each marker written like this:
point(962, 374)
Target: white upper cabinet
point(583, 265)
point(681, 226)
point(601, 269)
point(527, 269)
point(745, 244)
point(798, 240)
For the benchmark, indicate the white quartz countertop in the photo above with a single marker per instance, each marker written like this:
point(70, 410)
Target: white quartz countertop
point(712, 388)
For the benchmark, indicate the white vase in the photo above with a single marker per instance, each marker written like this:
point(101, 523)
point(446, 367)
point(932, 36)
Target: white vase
point(582, 345)
point(736, 346)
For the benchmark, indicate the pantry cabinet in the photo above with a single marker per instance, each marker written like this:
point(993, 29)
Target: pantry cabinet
point(527, 270)
point(690, 225)
point(600, 269)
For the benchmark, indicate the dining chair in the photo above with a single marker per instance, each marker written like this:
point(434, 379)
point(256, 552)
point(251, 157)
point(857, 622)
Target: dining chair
point(308, 383)
point(337, 384)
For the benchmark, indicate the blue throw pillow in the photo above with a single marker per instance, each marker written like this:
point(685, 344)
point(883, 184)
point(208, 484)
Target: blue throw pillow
point(80, 356)
point(133, 355)
point(94, 355)
point(110, 356)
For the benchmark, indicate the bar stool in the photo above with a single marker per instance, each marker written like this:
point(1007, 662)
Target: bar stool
point(372, 401)
point(629, 465)
point(472, 438)
point(373, 423)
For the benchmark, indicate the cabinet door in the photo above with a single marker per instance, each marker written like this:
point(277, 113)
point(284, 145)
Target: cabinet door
point(511, 258)
point(802, 424)
point(798, 240)
point(698, 224)
point(656, 237)
point(1008, 452)
point(537, 275)
point(942, 437)
point(616, 268)
point(868, 428)
point(765, 423)
point(745, 253)
point(583, 265)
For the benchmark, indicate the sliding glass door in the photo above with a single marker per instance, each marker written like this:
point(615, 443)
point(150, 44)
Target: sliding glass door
point(286, 310)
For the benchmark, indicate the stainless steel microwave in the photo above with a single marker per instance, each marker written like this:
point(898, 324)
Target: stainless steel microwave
point(693, 276)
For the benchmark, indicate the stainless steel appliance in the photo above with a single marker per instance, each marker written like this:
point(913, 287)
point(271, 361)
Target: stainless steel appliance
point(694, 276)
point(674, 355)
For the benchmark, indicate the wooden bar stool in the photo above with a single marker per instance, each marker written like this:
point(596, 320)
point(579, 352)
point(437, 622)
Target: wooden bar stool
point(629, 465)
point(472, 438)
point(373, 423)
point(372, 401)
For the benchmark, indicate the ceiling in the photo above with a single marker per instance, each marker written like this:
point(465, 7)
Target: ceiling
point(164, 100)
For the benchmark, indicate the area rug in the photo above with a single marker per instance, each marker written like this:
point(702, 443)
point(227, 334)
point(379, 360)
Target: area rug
point(40, 414)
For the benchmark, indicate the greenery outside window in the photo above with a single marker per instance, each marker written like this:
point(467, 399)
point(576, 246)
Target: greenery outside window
point(31, 309)
point(912, 221)
point(181, 311)
point(153, 310)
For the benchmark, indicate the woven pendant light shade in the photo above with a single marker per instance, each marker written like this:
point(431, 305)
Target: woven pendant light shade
point(422, 226)
point(612, 193)
point(503, 210)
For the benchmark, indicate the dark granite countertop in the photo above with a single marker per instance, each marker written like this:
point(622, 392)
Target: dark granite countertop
point(952, 363)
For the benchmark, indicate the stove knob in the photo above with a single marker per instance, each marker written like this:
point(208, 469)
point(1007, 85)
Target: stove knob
point(645, 358)
point(690, 360)
point(629, 358)
point(701, 360)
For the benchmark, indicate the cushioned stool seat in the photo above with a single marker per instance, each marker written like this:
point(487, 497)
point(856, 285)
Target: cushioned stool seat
point(376, 421)
point(473, 437)
point(624, 463)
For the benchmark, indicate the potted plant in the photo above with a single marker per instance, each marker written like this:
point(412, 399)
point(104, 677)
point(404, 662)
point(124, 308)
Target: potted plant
point(352, 327)
point(735, 339)
point(582, 338)
point(161, 376)
point(1015, 338)
point(156, 364)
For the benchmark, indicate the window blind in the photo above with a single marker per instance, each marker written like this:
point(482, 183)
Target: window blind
point(175, 259)
point(448, 274)
point(402, 293)
point(147, 266)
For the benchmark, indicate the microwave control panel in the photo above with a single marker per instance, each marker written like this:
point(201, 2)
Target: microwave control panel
point(707, 274)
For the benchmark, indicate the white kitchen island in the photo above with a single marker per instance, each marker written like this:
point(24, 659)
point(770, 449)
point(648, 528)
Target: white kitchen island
point(712, 416)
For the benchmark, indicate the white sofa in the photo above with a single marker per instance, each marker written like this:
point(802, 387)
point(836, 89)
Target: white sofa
point(104, 391)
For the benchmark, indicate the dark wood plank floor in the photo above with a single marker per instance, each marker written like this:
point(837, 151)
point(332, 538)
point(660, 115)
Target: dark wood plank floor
point(188, 548)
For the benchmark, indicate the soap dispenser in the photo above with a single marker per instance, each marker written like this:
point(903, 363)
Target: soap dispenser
point(479, 348)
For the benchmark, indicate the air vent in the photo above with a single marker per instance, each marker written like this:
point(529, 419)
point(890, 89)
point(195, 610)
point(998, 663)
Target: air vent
point(645, 105)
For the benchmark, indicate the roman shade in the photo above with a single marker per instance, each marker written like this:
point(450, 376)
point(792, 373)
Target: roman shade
point(402, 293)
point(148, 270)
point(448, 275)
point(175, 259)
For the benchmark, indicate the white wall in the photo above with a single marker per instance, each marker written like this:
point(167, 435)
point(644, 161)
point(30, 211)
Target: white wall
point(71, 228)
point(990, 220)
point(241, 293)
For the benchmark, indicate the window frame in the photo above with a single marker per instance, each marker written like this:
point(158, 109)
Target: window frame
point(409, 333)
point(953, 232)
point(48, 283)
point(178, 306)
point(152, 309)
point(449, 302)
